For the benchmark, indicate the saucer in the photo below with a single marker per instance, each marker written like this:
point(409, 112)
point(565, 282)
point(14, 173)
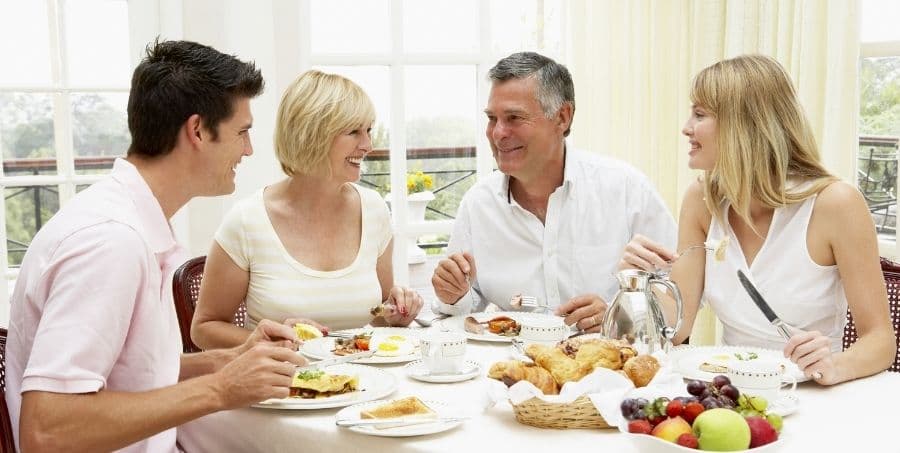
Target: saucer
point(418, 371)
point(786, 405)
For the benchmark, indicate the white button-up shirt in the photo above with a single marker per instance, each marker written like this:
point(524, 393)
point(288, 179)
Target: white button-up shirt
point(600, 206)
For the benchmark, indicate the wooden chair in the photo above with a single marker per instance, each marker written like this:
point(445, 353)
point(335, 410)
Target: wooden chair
point(891, 271)
point(186, 291)
point(7, 445)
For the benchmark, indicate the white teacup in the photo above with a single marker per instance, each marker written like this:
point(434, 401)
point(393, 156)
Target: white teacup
point(444, 352)
point(761, 377)
point(542, 329)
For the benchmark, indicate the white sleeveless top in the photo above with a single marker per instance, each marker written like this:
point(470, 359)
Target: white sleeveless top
point(282, 287)
point(802, 293)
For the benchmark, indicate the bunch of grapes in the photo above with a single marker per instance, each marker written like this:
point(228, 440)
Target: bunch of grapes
point(718, 393)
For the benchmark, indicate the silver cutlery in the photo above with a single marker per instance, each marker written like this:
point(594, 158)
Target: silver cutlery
point(340, 334)
point(334, 361)
point(529, 302)
point(783, 328)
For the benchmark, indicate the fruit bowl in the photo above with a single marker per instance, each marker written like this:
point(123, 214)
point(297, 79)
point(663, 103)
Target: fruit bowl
point(646, 443)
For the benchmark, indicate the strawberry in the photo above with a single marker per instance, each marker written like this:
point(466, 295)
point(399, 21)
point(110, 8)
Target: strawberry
point(657, 419)
point(688, 440)
point(691, 411)
point(674, 408)
point(639, 427)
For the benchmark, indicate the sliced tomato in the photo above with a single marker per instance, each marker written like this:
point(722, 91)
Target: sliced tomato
point(362, 344)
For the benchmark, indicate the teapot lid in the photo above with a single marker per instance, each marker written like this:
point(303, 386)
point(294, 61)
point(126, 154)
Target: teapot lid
point(633, 279)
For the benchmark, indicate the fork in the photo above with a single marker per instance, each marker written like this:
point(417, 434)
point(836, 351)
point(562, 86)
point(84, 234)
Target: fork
point(529, 302)
point(708, 245)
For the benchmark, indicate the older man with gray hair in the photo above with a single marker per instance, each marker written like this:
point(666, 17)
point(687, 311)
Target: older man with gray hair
point(553, 222)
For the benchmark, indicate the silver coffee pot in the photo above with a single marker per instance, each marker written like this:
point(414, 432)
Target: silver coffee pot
point(636, 315)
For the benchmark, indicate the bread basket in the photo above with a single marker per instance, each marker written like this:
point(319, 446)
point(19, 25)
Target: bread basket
point(580, 413)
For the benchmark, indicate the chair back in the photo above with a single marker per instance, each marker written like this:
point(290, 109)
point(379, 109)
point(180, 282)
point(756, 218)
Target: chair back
point(7, 444)
point(186, 291)
point(891, 271)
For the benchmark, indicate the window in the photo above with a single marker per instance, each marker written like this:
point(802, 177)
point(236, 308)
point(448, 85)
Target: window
point(879, 115)
point(62, 107)
point(424, 64)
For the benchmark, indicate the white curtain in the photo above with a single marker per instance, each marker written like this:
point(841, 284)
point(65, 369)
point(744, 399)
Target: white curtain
point(632, 62)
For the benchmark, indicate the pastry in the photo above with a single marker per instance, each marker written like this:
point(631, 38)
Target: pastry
point(515, 370)
point(562, 367)
point(597, 354)
point(641, 369)
point(411, 407)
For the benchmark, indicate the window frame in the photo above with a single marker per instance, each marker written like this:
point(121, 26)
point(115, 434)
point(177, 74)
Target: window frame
point(882, 49)
point(143, 26)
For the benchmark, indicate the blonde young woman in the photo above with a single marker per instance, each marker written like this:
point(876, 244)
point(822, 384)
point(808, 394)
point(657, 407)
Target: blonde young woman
point(805, 238)
point(314, 246)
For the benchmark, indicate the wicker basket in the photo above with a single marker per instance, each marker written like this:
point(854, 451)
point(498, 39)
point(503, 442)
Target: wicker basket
point(580, 413)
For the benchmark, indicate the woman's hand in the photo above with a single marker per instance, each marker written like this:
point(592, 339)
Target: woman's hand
point(402, 306)
point(811, 351)
point(643, 253)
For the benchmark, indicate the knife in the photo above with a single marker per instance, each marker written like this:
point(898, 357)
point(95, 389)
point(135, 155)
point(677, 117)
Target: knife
point(783, 328)
point(336, 360)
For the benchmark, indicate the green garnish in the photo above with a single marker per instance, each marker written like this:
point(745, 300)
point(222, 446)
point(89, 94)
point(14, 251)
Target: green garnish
point(309, 375)
point(750, 356)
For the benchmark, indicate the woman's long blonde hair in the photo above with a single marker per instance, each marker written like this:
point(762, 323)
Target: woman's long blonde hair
point(763, 137)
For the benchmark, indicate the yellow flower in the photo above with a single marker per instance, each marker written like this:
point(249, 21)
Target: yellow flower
point(418, 182)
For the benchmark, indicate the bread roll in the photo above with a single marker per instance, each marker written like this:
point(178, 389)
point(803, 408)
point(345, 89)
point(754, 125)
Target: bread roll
point(562, 367)
point(515, 370)
point(641, 369)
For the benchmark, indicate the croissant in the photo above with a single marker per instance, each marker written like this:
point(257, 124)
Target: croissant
point(514, 371)
point(599, 354)
point(641, 369)
point(562, 367)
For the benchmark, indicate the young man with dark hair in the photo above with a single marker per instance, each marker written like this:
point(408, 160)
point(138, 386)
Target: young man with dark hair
point(93, 355)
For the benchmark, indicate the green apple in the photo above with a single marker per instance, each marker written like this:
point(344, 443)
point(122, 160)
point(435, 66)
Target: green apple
point(670, 428)
point(721, 429)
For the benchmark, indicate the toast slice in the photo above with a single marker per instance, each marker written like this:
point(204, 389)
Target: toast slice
point(410, 407)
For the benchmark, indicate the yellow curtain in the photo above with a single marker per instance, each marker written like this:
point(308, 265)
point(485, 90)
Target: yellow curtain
point(632, 62)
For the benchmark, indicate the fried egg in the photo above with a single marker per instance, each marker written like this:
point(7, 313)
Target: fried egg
point(393, 346)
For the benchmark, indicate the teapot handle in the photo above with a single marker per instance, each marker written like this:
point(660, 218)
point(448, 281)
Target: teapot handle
point(667, 331)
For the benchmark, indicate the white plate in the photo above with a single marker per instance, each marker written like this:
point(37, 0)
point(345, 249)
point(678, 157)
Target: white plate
point(457, 324)
point(374, 383)
point(320, 348)
point(419, 372)
point(686, 360)
point(442, 409)
point(646, 443)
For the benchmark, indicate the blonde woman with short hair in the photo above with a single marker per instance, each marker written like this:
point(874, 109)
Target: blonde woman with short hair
point(314, 246)
point(804, 237)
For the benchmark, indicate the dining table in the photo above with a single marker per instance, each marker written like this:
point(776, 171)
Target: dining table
point(859, 415)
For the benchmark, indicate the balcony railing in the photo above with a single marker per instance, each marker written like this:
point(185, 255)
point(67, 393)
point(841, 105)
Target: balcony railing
point(877, 179)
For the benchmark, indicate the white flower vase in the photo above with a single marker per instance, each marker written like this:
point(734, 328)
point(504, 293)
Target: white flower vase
point(416, 204)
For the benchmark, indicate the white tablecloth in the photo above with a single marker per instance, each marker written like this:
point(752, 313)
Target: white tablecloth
point(838, 418)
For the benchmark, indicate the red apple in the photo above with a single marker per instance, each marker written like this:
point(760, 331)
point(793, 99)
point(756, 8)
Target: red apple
point(761, 432)
point(670, 428)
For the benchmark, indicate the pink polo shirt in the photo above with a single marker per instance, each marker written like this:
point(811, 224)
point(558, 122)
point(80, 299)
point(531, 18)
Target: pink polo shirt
point(92, 309)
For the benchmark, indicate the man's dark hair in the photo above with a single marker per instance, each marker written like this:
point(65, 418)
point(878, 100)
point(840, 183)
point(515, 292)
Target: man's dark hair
point(178, 79)
point(554, 83)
